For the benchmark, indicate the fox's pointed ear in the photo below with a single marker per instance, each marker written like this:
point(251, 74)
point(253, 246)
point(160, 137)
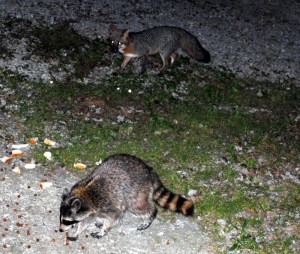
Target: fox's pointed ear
point(112, 28)
point(65, 193)
point(126, 33)
point(76, 205)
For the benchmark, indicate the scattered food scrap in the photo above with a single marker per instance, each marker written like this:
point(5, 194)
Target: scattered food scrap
point(29, 165)
point(99, 162)
point(79, 165)
point(33, 141)
point(17, 170)
point(48, 155)
point(49, 142)
point(44, 184)
point(6, 159)
point(16, 153)
point(19, 146)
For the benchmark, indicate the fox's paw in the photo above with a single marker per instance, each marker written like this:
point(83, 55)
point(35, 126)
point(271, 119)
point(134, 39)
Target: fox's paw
point(72, 238)
point(117, 72)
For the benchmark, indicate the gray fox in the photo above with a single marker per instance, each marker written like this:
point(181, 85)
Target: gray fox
point(163, 40)
point(121, 183)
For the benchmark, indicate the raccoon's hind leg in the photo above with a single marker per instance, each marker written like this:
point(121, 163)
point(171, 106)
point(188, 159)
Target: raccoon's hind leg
point(148, 218)
point(144, 207)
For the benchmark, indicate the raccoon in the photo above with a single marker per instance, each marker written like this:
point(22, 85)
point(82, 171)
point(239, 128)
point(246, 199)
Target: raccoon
point(121, 183)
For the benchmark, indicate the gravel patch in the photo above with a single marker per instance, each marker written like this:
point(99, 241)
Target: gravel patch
point(254, 39)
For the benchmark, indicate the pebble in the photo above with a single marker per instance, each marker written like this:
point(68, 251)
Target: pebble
point(192, 192)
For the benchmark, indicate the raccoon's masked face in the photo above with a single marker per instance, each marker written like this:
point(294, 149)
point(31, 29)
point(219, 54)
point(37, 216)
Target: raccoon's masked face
point(68, 210)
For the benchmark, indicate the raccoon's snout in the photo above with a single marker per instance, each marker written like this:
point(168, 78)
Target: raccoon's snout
point(64, 228)
point(65, 225)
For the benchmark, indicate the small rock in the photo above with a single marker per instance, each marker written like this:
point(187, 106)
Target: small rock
point(192, 192)
point(221, 222)
point(259, 94)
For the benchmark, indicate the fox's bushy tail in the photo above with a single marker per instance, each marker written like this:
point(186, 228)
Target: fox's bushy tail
point(174, 202)
point(193, 48)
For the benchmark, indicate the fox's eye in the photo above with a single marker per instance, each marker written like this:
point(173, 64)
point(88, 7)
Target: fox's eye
point(121, 43)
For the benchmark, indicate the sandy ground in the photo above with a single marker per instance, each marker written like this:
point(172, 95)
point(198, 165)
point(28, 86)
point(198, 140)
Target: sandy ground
point(256, 39)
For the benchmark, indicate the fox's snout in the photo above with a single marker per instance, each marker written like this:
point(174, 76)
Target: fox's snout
point(114, 48)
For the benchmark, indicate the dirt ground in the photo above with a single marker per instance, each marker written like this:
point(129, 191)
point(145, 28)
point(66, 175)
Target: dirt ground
point(253, 39)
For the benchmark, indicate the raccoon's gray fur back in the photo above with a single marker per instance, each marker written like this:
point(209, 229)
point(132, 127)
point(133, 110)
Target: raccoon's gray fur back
point(122, 182)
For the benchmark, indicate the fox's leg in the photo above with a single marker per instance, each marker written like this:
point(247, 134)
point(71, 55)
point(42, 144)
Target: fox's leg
point(144, 63)
point(165, 59)
point(125, 62)
point(173, 57)
point(166, 56)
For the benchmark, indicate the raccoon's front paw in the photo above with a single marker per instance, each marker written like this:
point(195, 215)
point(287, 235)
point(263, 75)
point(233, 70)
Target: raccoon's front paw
point(99, 225)
point(72, 238)
point(143, 226)
point(96, 235)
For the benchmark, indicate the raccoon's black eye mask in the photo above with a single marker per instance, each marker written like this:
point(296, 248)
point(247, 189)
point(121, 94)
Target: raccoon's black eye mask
point(68, 222)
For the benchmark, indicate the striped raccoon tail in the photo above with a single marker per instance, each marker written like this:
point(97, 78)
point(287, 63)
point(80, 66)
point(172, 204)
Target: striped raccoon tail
point(174, 202)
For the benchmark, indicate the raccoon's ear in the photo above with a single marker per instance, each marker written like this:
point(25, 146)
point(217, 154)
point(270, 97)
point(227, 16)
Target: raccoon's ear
point(65, 193)
point(76, 205)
